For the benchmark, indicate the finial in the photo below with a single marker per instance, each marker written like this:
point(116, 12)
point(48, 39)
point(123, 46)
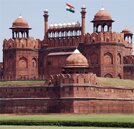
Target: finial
point(102, 9)
point(46, 11)
point(76, 51)
point(20, 16)
point(83, 6)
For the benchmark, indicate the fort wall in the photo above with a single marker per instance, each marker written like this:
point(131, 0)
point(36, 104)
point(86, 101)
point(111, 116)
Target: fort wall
point(66, 98)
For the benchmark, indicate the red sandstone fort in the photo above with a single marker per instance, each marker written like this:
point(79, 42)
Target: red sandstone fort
point(70, 59)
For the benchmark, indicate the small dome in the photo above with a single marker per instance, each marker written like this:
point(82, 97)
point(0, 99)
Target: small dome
point(102, 14)
point(76, 60)
point(51, 26)
point(20, 22)
point(59, 25)
point(127, 31)
point(64, 25)
point(55, 25)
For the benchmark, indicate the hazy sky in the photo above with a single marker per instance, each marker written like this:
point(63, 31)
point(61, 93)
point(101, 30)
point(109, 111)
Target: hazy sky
point(122, 11)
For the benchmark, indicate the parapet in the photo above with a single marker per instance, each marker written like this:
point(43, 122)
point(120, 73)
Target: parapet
point(21, 43)
point(58, 79)
point(106, 37)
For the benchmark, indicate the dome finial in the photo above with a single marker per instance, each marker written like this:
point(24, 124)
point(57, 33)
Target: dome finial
point(20, 16)
point(76, 51)
point(83, 6)
point(102, 8)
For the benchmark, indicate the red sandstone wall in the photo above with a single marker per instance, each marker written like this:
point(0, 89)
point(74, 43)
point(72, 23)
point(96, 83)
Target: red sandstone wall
point(103, 106)
point(66, 99)
point(29, 92)
point(20, 57)
point(27, 105)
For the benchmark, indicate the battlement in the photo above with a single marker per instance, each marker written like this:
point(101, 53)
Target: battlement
point(73, 78)
point(101, 37)
point(106, 37)
point(21, 43)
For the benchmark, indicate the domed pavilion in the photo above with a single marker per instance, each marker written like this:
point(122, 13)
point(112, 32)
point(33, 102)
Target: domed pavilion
point(76, 63)
point(20, 28)
point(102, 21)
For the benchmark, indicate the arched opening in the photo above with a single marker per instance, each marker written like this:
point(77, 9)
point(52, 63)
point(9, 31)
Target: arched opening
point(23, 63)
point(98, 28)
point(34, 63)
point(108, 58)
point(108, 75)
point(105, 28)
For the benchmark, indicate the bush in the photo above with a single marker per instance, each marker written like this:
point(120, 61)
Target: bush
point(67, 123)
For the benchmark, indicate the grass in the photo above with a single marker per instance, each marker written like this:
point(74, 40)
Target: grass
point(21, 83)
point(52, 127)
point(71, 120)
point(71, 117)
point(101, 81)
point(115, 82)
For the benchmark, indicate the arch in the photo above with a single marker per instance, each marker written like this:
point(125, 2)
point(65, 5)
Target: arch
point(108, 58)
point(118, 58)
point(105, 28)
point(108, 75)
point(34, 63)
point(99, 28)
point(23, 63)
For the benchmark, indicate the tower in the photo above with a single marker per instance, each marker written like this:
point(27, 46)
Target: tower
point(83, 13)
point(128, 35)
point(45, 22)
point(20, 53)
point(102, 21)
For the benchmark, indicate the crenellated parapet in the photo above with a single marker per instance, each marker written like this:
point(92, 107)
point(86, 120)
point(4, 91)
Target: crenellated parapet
point(106, 37)
point(21, 43)
point(73, 79)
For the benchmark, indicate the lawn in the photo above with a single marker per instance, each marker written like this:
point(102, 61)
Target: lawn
point(101, 81)
point(115, 82)
point(71, 120)
point(71, 117)
point(52, 127)
point(21, 83)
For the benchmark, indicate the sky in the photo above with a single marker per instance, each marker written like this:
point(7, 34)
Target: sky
point(122, 11)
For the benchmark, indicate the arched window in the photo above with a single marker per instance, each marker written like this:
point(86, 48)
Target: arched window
point(23, 63)
point(34, 62)
point(108, 58)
